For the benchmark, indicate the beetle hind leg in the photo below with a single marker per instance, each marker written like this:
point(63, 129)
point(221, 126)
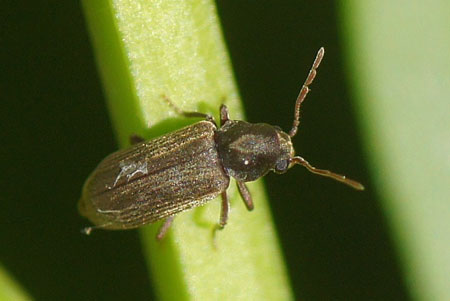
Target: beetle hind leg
point(165, 227)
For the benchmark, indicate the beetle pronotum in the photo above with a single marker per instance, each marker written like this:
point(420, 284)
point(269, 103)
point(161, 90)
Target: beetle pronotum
point(154, 180)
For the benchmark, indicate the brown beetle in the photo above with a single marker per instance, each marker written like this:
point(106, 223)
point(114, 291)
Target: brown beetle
point(156, 179)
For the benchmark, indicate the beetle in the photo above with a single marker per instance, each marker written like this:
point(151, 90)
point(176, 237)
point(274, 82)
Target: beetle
point(156, 179)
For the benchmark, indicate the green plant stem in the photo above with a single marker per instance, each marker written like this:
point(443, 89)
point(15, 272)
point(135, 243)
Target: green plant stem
point(146, 49)
point(398, 55)
point(9, 289)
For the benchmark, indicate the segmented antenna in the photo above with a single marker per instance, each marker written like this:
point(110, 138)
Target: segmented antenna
point(305, 90)
point(326, 173)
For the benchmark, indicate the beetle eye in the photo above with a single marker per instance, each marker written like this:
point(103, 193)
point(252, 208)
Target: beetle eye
point(281, 166)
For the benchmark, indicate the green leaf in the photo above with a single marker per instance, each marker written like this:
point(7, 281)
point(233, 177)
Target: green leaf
point(147, 49)
point(398, 57)
point(9, 289)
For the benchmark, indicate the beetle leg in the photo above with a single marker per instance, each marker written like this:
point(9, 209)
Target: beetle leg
point(224, 116)
point(135, 139)
point(245, 194)
point(225, 210)
point(88, 230)
point(187, 113)
point(165, 227)
point(223, 216)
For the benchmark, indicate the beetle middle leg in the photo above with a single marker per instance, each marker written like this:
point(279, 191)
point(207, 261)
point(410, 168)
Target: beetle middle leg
point(223, 214)
point(225, 210)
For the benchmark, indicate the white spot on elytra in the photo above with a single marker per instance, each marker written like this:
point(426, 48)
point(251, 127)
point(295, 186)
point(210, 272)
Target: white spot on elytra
point(129, 170)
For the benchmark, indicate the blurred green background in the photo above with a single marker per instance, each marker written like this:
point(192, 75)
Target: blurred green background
point(55, 129)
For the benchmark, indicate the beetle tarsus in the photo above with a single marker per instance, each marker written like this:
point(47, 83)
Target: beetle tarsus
point(216, 228)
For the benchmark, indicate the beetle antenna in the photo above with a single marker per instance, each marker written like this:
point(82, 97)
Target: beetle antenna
point(327, 173)
point(305, 90)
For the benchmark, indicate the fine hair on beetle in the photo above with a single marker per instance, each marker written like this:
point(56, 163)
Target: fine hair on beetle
point(154, 180)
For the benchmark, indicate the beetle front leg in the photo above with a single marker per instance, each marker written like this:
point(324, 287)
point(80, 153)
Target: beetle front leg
point(245, 194)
